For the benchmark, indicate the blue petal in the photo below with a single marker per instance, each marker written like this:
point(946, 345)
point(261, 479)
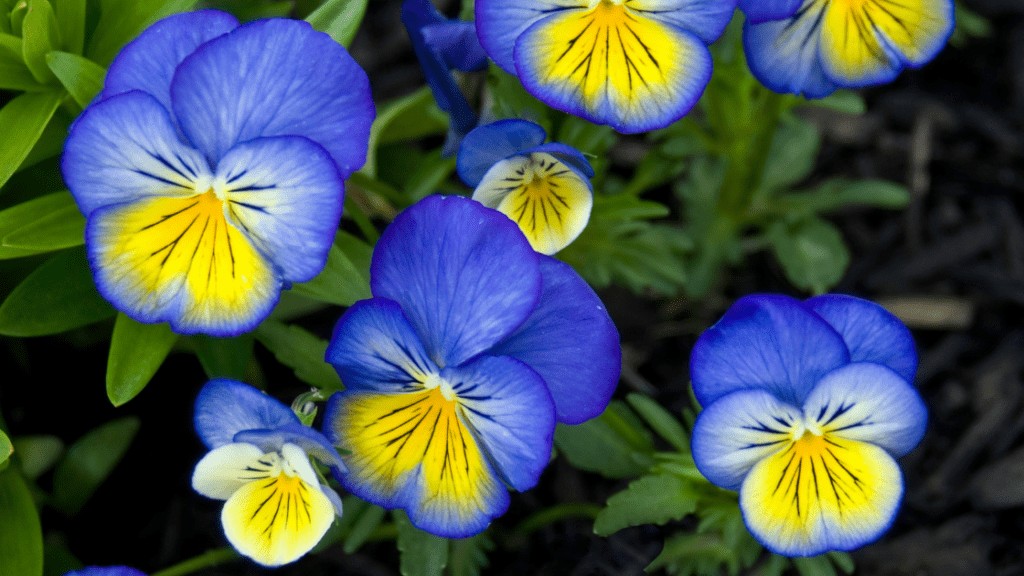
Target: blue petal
point(569, 156)
point(106, 571)
point(374, 347)
point(126, 148)
point(737, 431)
point(571, 342)
point(148, 62)
point(510, 410)
point(871, 333)
point(784, 54)
point(464, 275)
point(489, 144)
point(767, 342)
point(226, 407)
point(870, 403)
point(456, 42)
point(311, 441)
point(286, 194)
point(274, 78)
point(500, 22)
point(758, 11)
point(706, 19)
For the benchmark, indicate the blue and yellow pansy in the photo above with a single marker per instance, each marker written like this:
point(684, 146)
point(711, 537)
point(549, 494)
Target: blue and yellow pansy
point(636, 65)
point(813, 47)
point(211, 167)
point(544, 188)
point(459, 367)
point(106, 571)
point(807, 405)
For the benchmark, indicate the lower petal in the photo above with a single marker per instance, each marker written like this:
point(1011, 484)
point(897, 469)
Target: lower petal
point(178, 260)
point(822, 493)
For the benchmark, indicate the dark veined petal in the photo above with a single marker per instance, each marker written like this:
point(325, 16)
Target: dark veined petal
point(274, 77)
point(500, 22)
point(823, 493)
point(226, 468)
point(464, 275)
point(869, 403)
point(414, 451)
point(871, 333)
point(286, 195)
point(613, 65)
point(569, 156)
point(311, 441)
point(785, 54)
point(491, 143)
point(739, 430)
point(148, 62)
point(374, 347)
point(507, 407)
point(758, 11)
point(571, 342)
point(767, 342)
point(125, 149)
point(226, 407)
point(706, 19)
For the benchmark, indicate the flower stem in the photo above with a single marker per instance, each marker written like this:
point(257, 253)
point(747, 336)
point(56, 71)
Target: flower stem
point(207, 559)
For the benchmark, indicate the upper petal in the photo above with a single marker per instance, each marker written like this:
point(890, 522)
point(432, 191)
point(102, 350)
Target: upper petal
point(464, 275)
point(871, 333)
point(491, 143)
point(106, 571)
point(769, 342)
point(226, 407)
point(785, 54)
point(148, 62)
point(126, 148)
point(870, 403)
point(758, 11)
point(500, 22)
point(310, 441)
point(706, 19)
point(274, 77)
point(571, 342)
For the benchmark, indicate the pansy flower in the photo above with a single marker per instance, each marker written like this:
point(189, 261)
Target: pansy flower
point(807, 405)
point(636, 65)
point(105, 571)
point(813, 47)
point(544, 188)
point(443, 45)
point(458, 368)
point(211, 167)
point(276, 507)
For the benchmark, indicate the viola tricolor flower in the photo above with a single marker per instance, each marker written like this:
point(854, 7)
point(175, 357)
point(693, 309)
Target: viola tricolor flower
point(458, 368)
point(443, 45)
point(211, 168)
point(544, 188)
point(813, 47)
point(276, 507)
point(636, 65)
point(106, 571)
point(806, 407)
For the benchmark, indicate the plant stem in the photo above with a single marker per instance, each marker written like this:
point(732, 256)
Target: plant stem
point(205, 560)
point(556, 514)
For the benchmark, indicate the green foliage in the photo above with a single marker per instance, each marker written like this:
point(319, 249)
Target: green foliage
point(339, 18)
point(615, 444)
point(468, 556)
point(225, 357)
point(301, 351)
point(24, 118)
point(82, 78)
point(37, 454)
point(6, 449)
point(422, 554)
point(969, 24)
point(339, 283)
point(46, 224)
point(122, 20)
point(89, 461)
point(812, 253)
point(21, 535)
point(653, 499)
point(136, 353)
point(365, 518)
point(660, 421)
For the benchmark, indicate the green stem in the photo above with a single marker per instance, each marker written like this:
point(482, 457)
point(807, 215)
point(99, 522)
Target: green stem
point(207, 559)
point(556, 514)
point(748, 155)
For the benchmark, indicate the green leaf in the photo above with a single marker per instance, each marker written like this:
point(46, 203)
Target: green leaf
point(812, 253)
point(843, 561)
point(301, 351)
point(21, 535)
point(225, 357)
point(339, 283)
point(71, 21)
point(363, 527)
point(838, 193)
point(6, 449)
point(695, 554)
point(814, 566)
point(660, 420)
point(89, 461)
point(23, 119)
point(50, 143)
point(25, 214)
point(468, 556)
point(339, 18)
point(136, 352)
point(82, 77)
point(40, 35)
point(649, 500)
point(14, 75)
point(56, 297)
point(123, 20)
point(60, 226)
point(792, 154)
point(408, 117)
point(421, 554)
point(37, 454)
point(615, 444)
point(845, 101)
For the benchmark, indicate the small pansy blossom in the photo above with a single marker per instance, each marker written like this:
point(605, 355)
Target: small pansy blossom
point(636, 65)
point(806, 407)
point(443, 45)
point(544, 188)
point(105, 571)
point(813, 47)
point(276, 507)
point(457, 370)
point(211, 167)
